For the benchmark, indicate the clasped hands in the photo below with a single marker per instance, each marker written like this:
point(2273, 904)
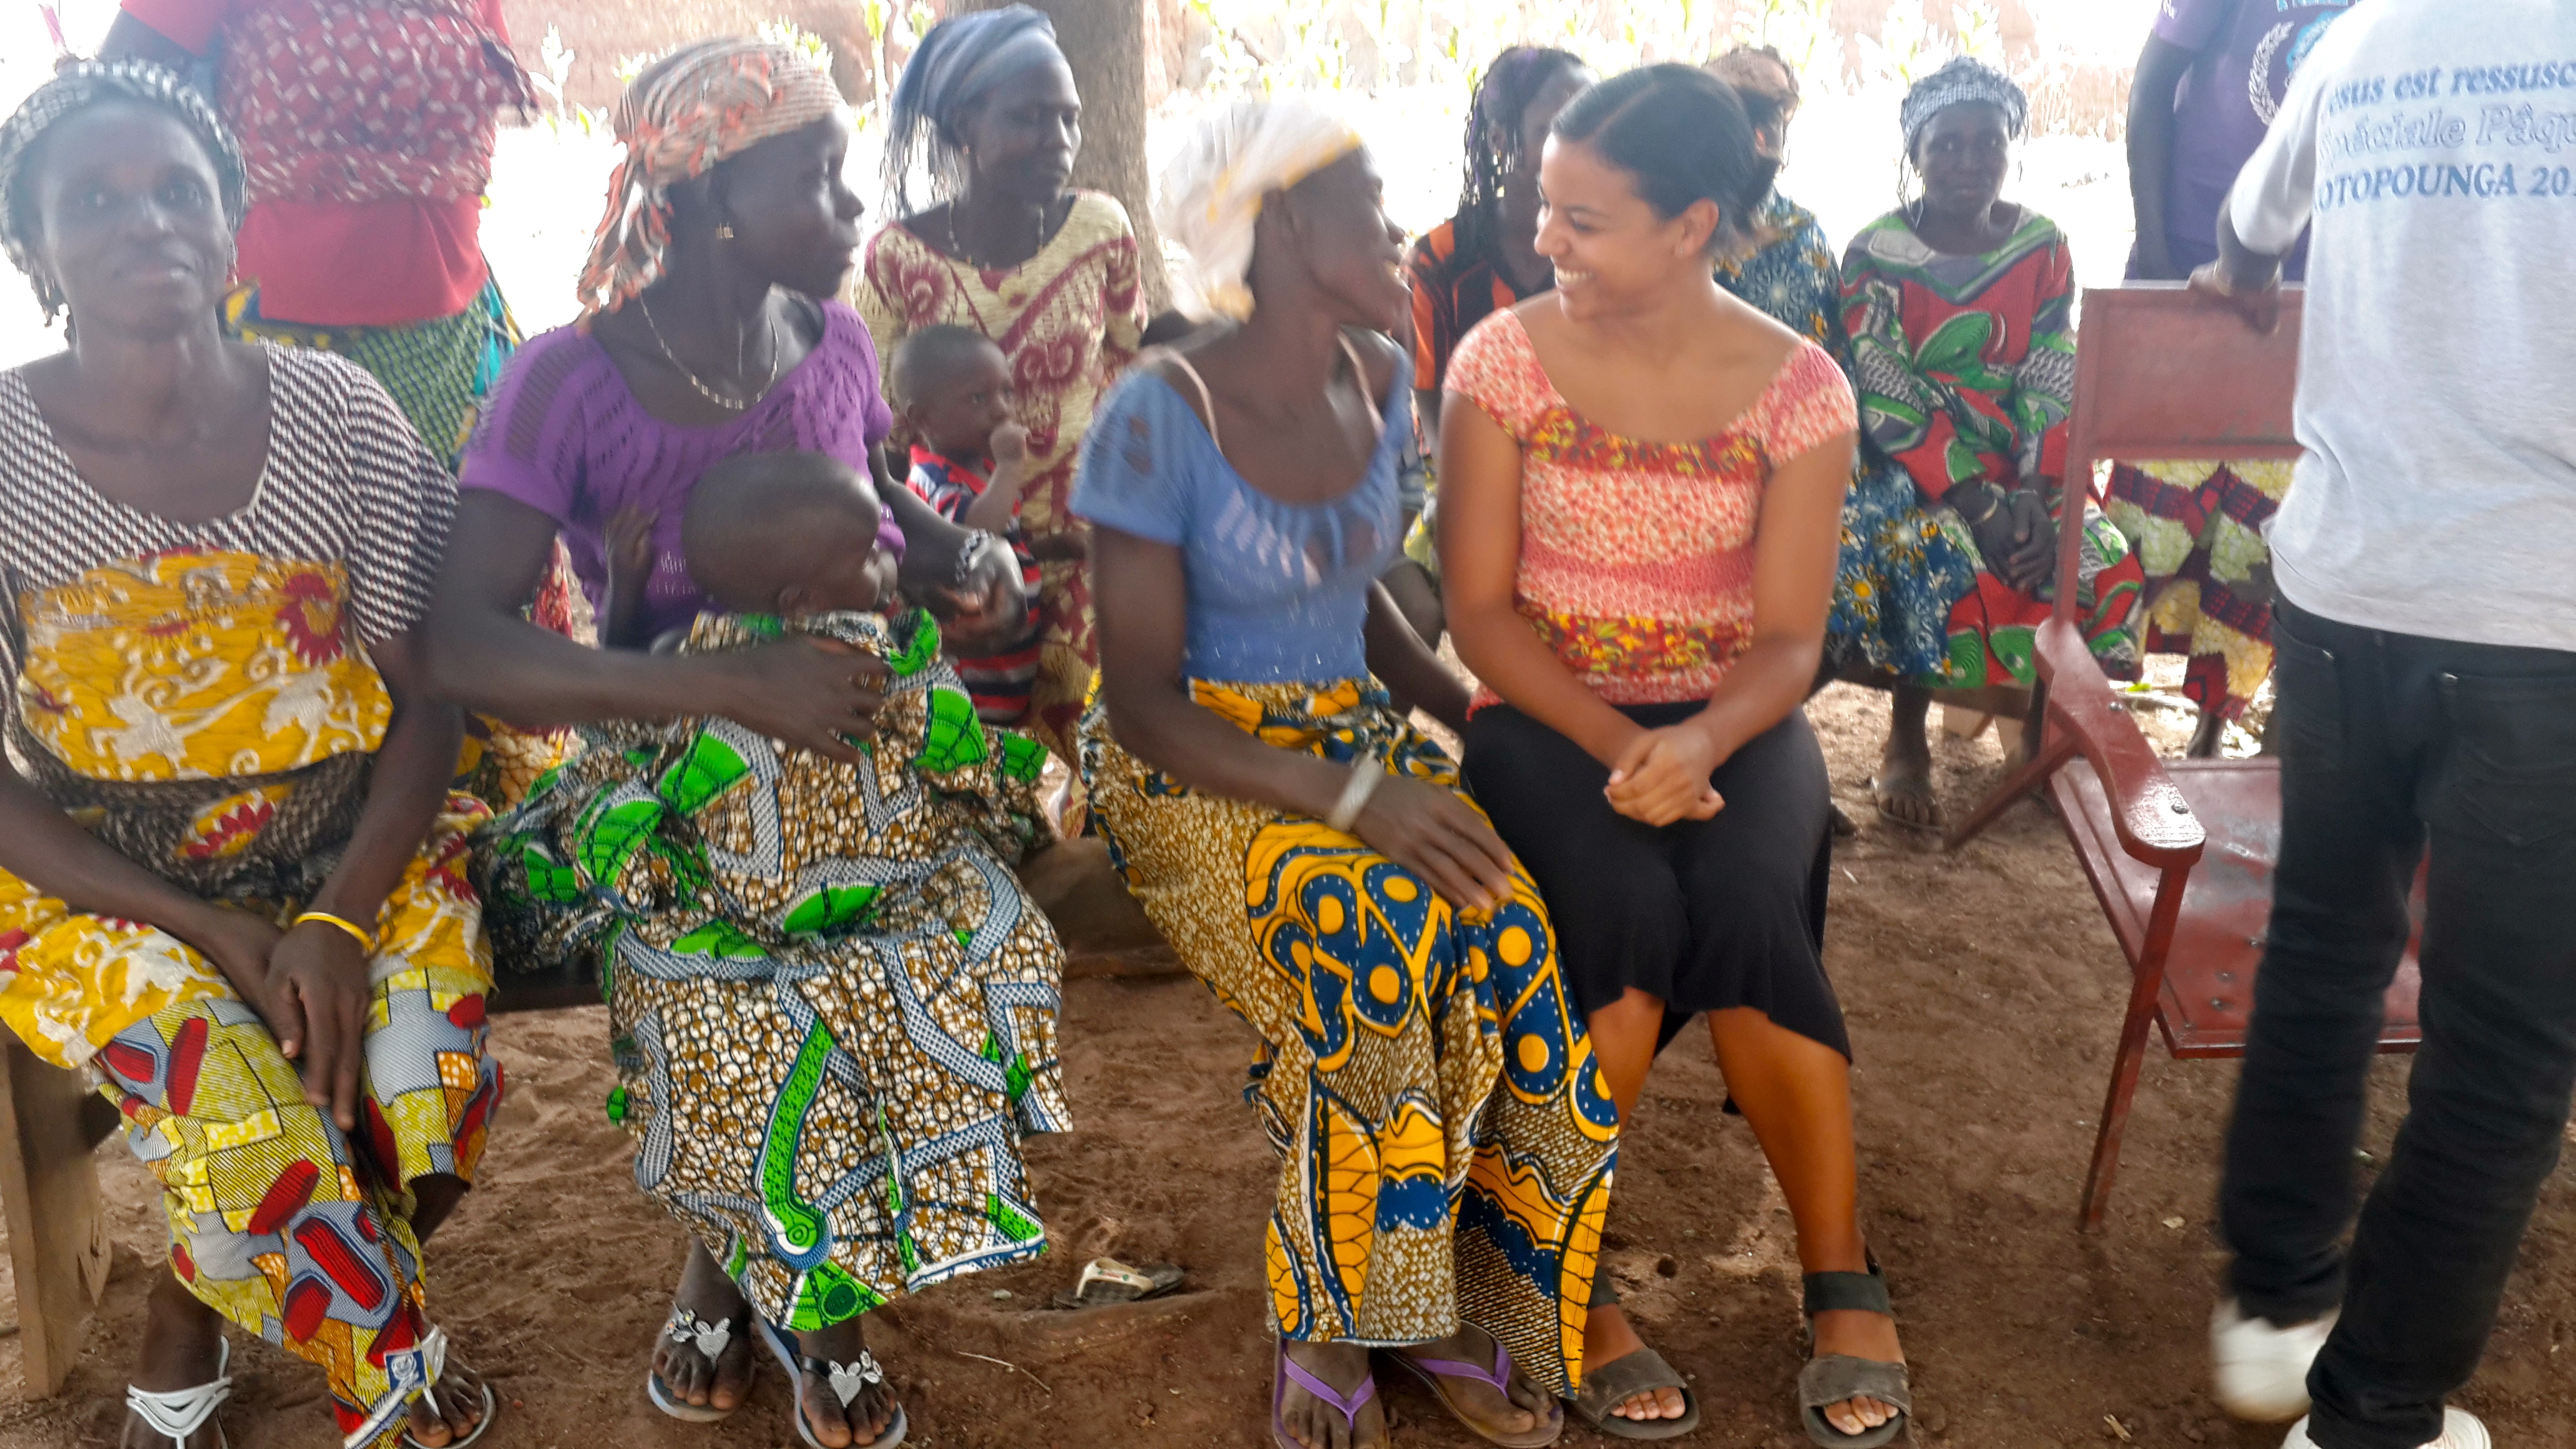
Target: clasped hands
point(1661, 775)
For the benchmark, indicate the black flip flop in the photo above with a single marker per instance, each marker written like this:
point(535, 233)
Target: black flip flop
point(1622, 1379)
point(1835, 1377)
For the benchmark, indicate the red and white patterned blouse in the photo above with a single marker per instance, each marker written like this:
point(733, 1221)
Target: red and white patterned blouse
point(1637, 558)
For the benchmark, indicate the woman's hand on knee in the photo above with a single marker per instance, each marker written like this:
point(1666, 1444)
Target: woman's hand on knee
point(240, 945)
point(1434, 834)
point(1662, 776)
point(317, 1006)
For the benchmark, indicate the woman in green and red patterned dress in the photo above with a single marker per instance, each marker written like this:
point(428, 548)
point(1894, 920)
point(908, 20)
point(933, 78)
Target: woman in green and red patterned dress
point(1960, 307)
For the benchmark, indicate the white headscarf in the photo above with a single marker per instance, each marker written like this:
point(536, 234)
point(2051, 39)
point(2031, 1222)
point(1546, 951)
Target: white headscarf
point(1210, 193)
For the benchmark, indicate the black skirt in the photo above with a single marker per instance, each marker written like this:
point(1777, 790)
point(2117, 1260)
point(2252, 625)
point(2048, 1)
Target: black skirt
point(1704, 915)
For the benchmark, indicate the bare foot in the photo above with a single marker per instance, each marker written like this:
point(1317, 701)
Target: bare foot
point(1860, 1335)
point(709, 1298)
point(1314, 1424)
point(1476, 1403)
point(871, 1407)
point(1607, 1338)
point(183, 1348)
point(458, 1408)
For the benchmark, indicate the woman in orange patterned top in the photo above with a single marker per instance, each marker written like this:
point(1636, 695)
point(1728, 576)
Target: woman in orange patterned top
point(1646, 480)
point(987, 107)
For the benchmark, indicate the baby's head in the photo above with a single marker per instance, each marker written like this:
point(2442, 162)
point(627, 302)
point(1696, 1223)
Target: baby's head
point(788, 534)
point(954, 386)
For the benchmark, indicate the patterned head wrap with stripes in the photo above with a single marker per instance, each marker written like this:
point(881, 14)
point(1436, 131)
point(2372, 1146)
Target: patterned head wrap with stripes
point(76, 89)
point(1964, 80)
point(700, 105)
point(1211, 192)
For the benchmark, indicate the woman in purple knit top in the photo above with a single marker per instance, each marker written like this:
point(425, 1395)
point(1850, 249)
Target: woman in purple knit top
point(704, 338)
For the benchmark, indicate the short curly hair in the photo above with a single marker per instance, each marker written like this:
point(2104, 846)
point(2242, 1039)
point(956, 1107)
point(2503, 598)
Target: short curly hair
point(75, 90)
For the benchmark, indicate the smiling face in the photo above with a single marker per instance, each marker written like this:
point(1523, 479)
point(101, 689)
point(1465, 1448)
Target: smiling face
point(1963, 156)
point(1021, 138)
point(1352, 250)
point(128, 221)
point(1610, 248)
point(795, 219)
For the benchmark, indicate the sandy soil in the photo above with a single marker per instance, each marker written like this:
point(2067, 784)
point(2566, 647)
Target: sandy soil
point(1983, 991)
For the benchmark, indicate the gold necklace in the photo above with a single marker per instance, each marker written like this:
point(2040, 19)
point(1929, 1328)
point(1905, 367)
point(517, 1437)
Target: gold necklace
point(704, 391)
point(958, 250)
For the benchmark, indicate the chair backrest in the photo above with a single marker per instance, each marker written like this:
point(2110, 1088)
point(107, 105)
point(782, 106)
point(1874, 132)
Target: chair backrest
point(2164, 373)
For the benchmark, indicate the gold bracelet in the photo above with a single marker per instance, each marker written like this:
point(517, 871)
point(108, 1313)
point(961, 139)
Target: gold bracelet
point(363, 937)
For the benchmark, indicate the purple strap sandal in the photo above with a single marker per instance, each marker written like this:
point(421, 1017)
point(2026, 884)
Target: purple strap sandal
point(1433, 1371)
point(1349, 1408)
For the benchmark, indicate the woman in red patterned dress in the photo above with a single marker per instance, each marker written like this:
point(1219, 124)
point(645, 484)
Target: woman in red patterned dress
point(987, 107)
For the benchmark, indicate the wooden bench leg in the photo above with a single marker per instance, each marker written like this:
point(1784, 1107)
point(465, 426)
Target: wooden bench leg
point(49, 1194)
point(2146, 983)
point(2115, 1105)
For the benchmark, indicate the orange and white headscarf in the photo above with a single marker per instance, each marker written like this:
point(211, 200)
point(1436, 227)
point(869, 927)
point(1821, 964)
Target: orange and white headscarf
point(701, 104)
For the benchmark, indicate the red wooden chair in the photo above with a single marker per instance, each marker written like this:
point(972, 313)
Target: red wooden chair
point(2179, 852)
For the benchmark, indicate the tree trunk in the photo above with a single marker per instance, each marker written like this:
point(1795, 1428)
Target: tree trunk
point(1104, 42)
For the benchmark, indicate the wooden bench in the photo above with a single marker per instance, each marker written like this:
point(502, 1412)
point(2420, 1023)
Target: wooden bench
point(51, 1121)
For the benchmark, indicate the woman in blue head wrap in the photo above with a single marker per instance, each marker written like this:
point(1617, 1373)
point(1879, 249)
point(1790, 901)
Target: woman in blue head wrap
point(986, 118)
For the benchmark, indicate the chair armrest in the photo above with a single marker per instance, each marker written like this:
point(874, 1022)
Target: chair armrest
point(2153, 820)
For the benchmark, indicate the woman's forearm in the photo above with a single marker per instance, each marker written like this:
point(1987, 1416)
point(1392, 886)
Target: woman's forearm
point(1165, 729)
point(1770, 678)
point(41, 845)
point(930, 543)
point(405, 791)
point(1408, 668)
point(1497, 644)
point(497, 663)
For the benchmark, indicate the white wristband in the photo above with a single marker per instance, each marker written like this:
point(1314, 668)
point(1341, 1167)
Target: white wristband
point(1366, 776)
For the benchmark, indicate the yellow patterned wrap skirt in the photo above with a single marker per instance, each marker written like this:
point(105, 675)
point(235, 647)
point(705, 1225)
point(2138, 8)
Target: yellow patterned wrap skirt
point(1445, 1139)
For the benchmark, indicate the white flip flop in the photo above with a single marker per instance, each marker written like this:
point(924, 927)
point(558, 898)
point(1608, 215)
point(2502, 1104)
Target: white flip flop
point(847, 1381)
point(182, 1412)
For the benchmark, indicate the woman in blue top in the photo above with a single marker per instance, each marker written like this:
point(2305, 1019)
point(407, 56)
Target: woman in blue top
point(1445, 1140)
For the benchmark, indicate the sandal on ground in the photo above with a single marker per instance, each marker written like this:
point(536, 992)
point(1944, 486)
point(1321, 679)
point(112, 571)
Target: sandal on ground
point(1434, 1372)
point(847, 1381)
point(433, 1365)
point(1881, 792)
point(1624, 1378)
point(182, 1412)
point(1834, 1377)
point(710, 1340)
point(1106, 1281)
point(1348, 1407)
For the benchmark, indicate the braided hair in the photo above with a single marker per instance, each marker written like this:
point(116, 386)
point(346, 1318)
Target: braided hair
point(75, 90)
point(1503, 95)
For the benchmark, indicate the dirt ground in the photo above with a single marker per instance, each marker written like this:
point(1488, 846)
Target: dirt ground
point(1984, 993)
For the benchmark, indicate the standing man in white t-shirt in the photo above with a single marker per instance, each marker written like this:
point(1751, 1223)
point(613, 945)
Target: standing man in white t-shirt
point(2427, 701)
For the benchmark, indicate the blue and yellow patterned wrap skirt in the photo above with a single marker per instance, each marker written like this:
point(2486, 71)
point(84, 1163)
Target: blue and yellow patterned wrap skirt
point(1445, 1139)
